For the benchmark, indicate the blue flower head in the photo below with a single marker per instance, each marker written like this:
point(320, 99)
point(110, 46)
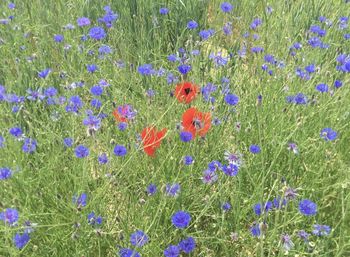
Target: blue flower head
point(44, 73)
point(29, 145)
point(5, 173)
point(184, 68)
point(83, 21)
point(9, 216)
point(163, 11)
point(126, 252)
point(255, 149)
point(120, 150)
point(328, 134)
point(20, 240)
point(192, 25)
point(187, 245)
point(151, 189)
point(321, 230)
point(185, 136)
point(102, 158)
point(81, 151)
point(307, 207)
point(80, 200)
point(97, 33)
point(138, 238)
point(188, 160)
point(181, 219)
point(226, 7)
point(172, 251)
point(231, 99)
point(172, 189)
point(323, 88)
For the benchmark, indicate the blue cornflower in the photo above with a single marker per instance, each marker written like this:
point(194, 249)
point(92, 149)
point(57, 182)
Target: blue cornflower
point(300, 98)
point(172, 189)
point(184, 68)
point(83, 21)
point(68, 142)
point(80, 200)
point(50, 92)
point(126, 252)
point(192, 25)
point(218, 59)
point(97, 33)
point(172, 58)
point(307, 207)
point(255, 149)
point(74, 104)
point(287, 242)
point(209, 176)
point(181, 219)
point(279, 202)
point(303, 235)
point(185, 136)
point(205, 34)
point(163, 11)
point(92, 122)
point(120, 150)
point(11, 6)
point(96, 103)
point(16, 132)
point(321, 230)
point(172, 251)
point(58, 38)
point(323, 88)
point(91, 68)
point(81, 151)
point(338, 84)
point(109, 17)
point(122, 126)
point(187, 245)
point(226, 7)
point(231, 99)
point(255, 230)
point(258, 209)
point(138, 238)
point(44, 73)
point(226, 206)
point(328, 134)
point(93, 220)
point(188, 160)
point(20, 240)
point(104, 50)
point(256, 23)
point(231, 169)
point(227, 28)
point(257, 49)
point(96, 90)
point(102, 158)
point(9, 216)
point(151, 189)
point(5, 173)
point(29, 145)
point(146, 69)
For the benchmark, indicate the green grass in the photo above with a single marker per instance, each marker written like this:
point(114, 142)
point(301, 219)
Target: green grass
point(43, 188)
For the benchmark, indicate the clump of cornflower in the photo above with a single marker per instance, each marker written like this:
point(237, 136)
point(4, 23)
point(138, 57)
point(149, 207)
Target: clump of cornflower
point(93, 220)
point(163, 11)
point(44, 73)
point(256, 23)
point(218, 59)
point(74, 104)
point(138, 238)
point(9, 216)
point(151, 189)
point(97, 33)
point(307, 207)
point(181, 219)
point(81, 151)
point(68, 142)
point(92, 122)
point(188, 160)
point(209, 177)
point(206, 34)
point(5, 173)
point(230, 169)
point(328, 134)
point(259, 209)
point(102, 158)
point(172, 190)
point(172, 251)
point(185, 136)
point(226, 7)
point(187, 245)
point(192, 25)
point(21, 240)
point(287, 242)
point(80, 200)
point(146, 69)
point(29, 145)
point(109, 18)
point(120, 150)
point(226, 206)
point(321, 230)
point(126, 252)
point(83, 21)
point(254, 149)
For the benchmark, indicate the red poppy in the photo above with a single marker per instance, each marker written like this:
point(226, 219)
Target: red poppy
point(186, 92)
point(196, 122)
point(151, 139)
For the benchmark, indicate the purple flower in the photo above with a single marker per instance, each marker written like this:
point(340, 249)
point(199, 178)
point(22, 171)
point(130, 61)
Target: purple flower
point(58, 38)
point(96, 90)
point(255, 230)
point(102, 158)
point(163, 11)
point(16, 132)
point(126, 252)
point(226, 206)
point(307, 207)
point(188, 160)
point(256, 23)
point(151, 189)
point(287, 242)
point(68, 142)
point(185, 136)
point(44, 73)
point(172, 189)
point(81, 151)
point(91, 68)
point(97, 33)
point(80, 200)
point(138, 238)
point(255, 149)
point(29, 145)
point(231, 169)
point(321, 230)
point(146, 69)
point(231, 99)
point(181, 219)
point(192, 25)
point(172, 251)
point(5, 173)
point(20, 240)
point(187, 245)
point(184, 68)
point(303, 235)
point(9, 216)
point(209, 176)
point(120, 150)
point(328, 134)
point(226, 7)
point(83, 21)
point(323, 88)
point(205, 34)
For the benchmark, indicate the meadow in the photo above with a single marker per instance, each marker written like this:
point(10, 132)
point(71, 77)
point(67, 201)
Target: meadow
point(175, 128)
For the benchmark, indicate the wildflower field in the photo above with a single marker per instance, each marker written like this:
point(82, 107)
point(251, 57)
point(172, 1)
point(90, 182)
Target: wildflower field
point(175, 128)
